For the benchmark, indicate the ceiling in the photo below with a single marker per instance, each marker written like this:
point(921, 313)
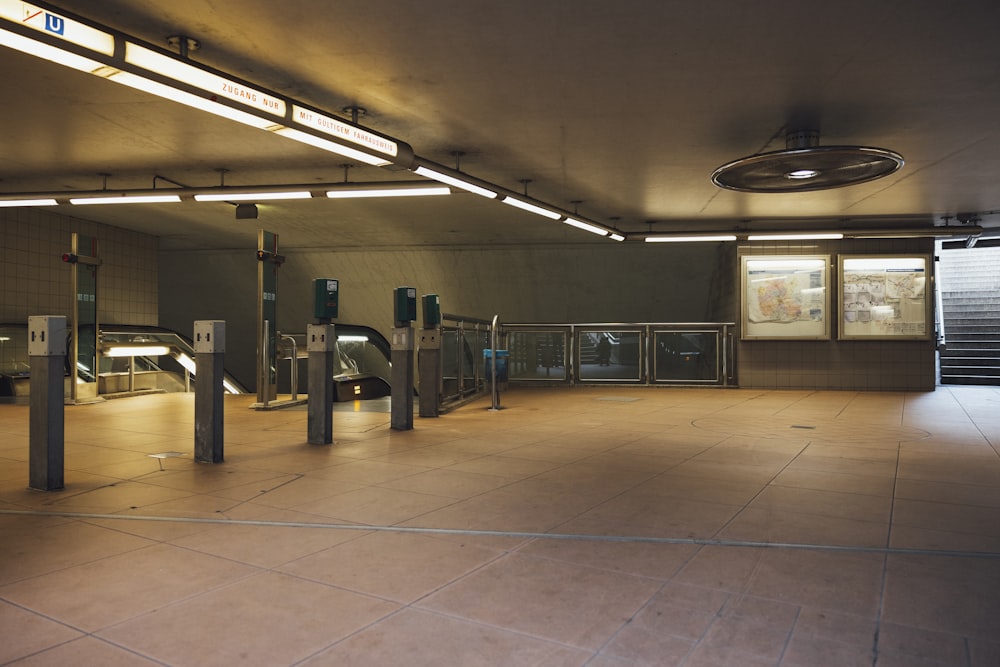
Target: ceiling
point(620, 110)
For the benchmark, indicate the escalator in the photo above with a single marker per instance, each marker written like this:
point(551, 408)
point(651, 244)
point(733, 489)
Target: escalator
point(138, 359)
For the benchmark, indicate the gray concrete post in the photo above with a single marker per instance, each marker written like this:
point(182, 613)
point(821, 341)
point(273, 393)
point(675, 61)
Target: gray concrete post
point(46, 435)
point(401, 356)
point(209, 352)
point(321, 340)
point(429, 366)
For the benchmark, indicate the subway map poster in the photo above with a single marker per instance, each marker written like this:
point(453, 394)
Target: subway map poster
point(785, 297)
point(885, 297)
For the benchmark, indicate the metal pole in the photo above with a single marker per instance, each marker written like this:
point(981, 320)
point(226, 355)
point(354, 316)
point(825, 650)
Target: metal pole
point(46, 441)
point(320, 342)
point(263, 377)
point(493, 363)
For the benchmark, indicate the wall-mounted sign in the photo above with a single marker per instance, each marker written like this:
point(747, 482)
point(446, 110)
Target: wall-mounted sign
point(885, 296)
point(785, 297)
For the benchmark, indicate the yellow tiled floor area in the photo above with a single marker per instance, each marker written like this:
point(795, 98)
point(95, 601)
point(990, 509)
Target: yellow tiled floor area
point(599, 526)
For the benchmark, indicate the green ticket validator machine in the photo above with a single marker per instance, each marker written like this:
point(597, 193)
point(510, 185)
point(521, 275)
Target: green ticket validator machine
point(429, 358)
point(405, 302)
point(325, 299)
point(401, 356)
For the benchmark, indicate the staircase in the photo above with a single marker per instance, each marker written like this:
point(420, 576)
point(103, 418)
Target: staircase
point(969, 283)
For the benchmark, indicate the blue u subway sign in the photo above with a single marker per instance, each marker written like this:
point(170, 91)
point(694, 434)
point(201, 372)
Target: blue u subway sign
point(54, 23)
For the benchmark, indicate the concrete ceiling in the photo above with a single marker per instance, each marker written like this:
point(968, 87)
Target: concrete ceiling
point(625, 107)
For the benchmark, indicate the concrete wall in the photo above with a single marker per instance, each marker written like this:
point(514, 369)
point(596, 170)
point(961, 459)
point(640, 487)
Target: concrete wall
point(37, 282)
point(605, 282)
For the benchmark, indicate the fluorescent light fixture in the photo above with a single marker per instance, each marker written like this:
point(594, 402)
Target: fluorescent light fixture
point(690, 239)
point(186, 98)
point(186, 361)
point(455, 182)
point(199, 78)
point(795, 237)
point(801, 174)
point(586, 226)
point(616, 237)
point(352, 339)
point(343, 130)
point(136, 351)
point(57, 26)
point(51, 53)
point(416, 190)
point(526, 206)
point(126, 199)
point(28, 202)
point(253, 196)
point(333, 147)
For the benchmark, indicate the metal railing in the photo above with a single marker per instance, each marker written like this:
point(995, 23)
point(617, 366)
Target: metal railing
point(463, 340)
point(649, 353)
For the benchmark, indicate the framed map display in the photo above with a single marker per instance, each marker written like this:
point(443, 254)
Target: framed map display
point(785, 297)
point(885, 297)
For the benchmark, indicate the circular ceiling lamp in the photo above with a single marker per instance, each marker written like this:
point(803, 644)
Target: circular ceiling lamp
point(804, 165)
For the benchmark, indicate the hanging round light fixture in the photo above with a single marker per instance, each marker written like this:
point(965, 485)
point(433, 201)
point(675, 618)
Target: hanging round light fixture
point(804, 166)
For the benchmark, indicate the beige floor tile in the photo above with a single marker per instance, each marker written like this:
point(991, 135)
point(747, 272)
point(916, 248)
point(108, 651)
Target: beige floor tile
point(806, 651)
point(376, 506)
point(403, 639)
point(672, 463)
point(658, 561)
point(977, 520)
point(824, 503)
point(948, 492)
point(24, 633)
point(921, 643)
point(53, 545)
point(116, 588)
point(726, 492)
point(87, 651)
point(268, 619)
point(953, 595)
point(644, 514)
point(909, 537)
point(572, 604)
point(822, 480)
point(779, 526)
point(840, 583)
point(262, 546)
point(448, 482)
point(367, 472)
point(371, 564)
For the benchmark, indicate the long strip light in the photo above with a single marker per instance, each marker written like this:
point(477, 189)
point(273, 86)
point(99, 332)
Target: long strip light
point(28, 202)
point(690, 239)
point(532, 208)
point(805, 236)
point(228, 193)
point(417, 190)
point(586, 226)
point(126, 199)
point(455, 182)
point(253, 196)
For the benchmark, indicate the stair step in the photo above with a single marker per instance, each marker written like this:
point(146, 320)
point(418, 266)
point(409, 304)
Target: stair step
point(970, 379)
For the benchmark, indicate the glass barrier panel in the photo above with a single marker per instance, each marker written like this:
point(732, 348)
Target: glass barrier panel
point(471, 354)
point(537, 355)
point(609, 355)
point(450, 361)
point(686, 356)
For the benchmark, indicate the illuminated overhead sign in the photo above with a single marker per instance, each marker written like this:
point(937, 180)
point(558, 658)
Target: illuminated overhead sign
point(343, 131)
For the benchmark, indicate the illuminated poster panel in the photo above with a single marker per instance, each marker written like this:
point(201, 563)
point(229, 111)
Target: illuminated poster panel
point(885, 297)
point(785, 297)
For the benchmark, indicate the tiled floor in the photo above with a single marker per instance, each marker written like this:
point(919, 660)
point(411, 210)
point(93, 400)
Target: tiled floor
point(590, 526)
